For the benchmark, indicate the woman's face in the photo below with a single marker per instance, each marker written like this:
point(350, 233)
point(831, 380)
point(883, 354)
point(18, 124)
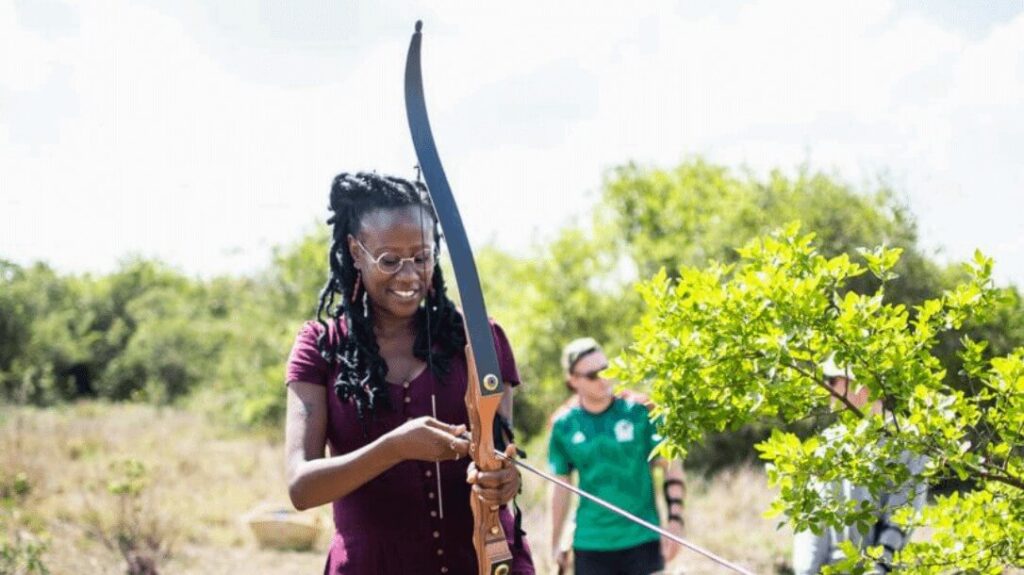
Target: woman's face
point(388, 236)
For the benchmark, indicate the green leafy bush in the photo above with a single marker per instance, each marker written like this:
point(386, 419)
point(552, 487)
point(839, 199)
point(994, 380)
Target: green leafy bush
point(729, 345)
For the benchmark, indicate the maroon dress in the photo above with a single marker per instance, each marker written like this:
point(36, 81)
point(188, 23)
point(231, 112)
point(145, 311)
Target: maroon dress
point(394, 523)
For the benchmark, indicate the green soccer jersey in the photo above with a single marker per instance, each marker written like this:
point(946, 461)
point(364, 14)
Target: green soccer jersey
point(609, 451)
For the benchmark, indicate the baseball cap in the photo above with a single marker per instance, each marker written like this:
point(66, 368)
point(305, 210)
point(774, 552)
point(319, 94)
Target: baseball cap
point(576, 350)
point(829, 369)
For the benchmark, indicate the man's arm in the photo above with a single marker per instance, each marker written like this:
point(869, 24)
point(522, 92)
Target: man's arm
point(674, 492)
point(890, 535)
point(560, 499)
point(674, 489)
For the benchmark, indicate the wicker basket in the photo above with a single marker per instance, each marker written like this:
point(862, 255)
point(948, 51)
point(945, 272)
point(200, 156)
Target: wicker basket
point(278, 527)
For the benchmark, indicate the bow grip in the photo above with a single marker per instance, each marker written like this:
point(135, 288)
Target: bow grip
point(483, 397)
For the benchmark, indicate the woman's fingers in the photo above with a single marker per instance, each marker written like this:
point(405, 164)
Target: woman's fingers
point(459, 447)
point(495, 479)
point(494, 497)
point(494, 487)
point(427, 439)
point(448, 439)
point(448, 428)
point(490, 497)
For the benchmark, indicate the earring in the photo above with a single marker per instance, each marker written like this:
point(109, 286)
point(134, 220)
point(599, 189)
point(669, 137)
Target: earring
point(366, 305)
point(355, 289)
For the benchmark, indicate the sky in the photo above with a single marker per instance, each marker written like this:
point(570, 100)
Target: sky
point(206, 133)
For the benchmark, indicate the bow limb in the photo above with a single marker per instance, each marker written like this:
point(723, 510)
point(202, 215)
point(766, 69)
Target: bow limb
point(484, 383)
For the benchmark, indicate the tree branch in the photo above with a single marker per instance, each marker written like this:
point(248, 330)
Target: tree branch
point(824, 386)
point(998, 476)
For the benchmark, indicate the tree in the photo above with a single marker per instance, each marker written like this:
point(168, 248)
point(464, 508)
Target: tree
point(261, 316)
point(44, 344)
point(699, 211)
point(171, 350)
point(566, 289)
point(736, 343)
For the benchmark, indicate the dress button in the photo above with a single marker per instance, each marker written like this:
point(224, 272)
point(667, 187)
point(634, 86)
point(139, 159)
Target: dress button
point(444, 569)
point(408, 399)
point(437, 534)
point(430, 495)
point(433, 513)
point(429, 473)
point(406, 385)
point(440, 551)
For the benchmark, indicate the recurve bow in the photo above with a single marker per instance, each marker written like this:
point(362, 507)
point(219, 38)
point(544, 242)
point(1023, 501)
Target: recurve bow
point(485, 387)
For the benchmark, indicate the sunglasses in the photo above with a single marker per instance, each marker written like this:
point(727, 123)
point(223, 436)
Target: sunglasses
point(593, 374)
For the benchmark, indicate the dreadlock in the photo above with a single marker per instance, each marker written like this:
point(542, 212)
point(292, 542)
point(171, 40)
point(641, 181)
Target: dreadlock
point(361, 379)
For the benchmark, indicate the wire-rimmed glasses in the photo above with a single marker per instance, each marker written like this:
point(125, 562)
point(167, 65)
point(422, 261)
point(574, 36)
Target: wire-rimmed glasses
point(390, 264)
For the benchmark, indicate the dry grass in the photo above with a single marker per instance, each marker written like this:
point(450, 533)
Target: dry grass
point(725, 516)
point(203, 479)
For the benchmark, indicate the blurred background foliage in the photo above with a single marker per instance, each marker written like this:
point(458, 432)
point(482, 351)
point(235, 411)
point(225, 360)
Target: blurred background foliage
point(148, 333)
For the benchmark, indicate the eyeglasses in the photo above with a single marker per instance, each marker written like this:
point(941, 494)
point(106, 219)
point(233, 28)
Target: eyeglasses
point(389, 263)
point(834, 380)
point(593, 374)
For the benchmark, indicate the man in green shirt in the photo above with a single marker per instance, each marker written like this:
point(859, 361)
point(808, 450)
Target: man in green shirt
point(607, 441)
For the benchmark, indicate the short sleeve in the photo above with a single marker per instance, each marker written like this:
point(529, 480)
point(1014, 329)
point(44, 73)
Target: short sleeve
point(305, 362)
point(506, 359)
point(653, 437)
point(558, 459)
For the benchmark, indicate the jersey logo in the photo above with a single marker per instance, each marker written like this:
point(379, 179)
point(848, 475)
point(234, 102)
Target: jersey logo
point(623, 430)
point(578, 438)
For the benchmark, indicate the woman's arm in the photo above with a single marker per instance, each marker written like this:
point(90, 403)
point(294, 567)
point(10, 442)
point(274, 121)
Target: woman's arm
point(314, 480)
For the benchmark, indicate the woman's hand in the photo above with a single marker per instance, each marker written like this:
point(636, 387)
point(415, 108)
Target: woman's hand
point(427, 439)
point(495, 487)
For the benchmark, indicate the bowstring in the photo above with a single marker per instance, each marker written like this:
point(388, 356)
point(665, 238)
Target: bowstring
point(430, 347)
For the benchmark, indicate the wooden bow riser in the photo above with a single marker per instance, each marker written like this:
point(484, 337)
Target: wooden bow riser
point(493, 554)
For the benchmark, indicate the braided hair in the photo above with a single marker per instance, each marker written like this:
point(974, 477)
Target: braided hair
point(438, 323)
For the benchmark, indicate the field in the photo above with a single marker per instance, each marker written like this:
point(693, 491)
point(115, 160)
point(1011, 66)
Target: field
point(199, 479)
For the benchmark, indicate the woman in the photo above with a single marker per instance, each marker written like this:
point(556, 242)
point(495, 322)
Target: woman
point(380, 377)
